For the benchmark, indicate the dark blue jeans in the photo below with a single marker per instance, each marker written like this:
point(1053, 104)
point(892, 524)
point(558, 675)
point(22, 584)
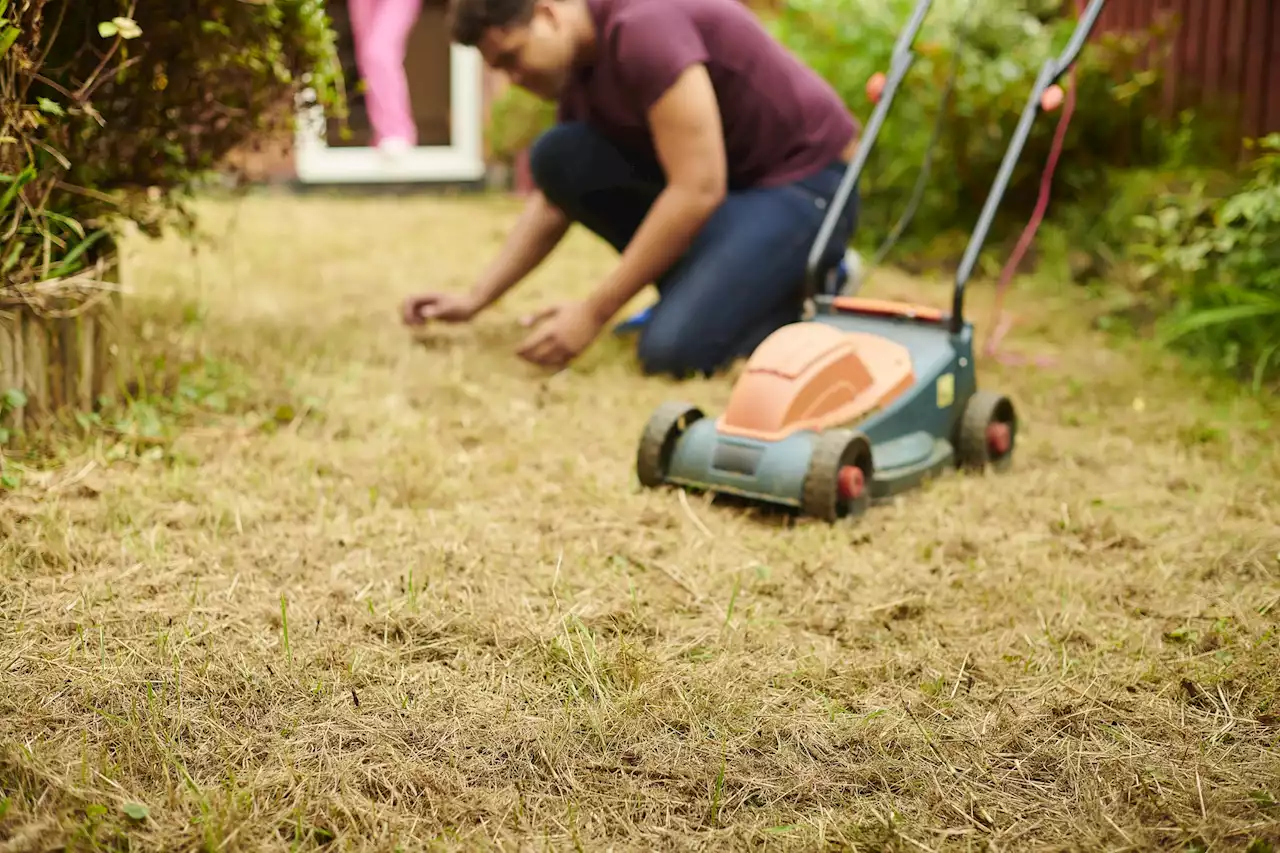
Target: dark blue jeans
point(740, 280)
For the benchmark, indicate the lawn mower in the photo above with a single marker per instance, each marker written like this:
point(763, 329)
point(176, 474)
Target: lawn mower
point(867, 398)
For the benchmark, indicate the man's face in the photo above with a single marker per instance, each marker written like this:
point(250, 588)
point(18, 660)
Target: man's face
point(537, 56)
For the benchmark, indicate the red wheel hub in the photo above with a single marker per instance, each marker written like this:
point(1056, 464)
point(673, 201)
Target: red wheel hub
point(999, 438)
point(851, 482)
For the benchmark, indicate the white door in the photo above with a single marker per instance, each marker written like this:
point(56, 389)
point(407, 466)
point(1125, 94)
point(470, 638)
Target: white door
point(445, 85)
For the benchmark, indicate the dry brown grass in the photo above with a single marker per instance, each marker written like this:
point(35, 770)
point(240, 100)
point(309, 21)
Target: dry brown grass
point(408, 598)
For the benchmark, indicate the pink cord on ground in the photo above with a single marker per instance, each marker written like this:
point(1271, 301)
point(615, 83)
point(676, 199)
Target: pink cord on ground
point(1002, 322)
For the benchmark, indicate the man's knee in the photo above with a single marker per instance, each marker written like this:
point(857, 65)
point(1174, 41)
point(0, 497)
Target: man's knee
point(674, 345)
point(552, 158)
point(671, 349)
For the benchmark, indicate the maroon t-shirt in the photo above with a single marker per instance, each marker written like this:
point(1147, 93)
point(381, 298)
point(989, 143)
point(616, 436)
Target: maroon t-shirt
point(782, 121)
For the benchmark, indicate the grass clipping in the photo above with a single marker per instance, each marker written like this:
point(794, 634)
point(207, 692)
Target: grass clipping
point(393, 597)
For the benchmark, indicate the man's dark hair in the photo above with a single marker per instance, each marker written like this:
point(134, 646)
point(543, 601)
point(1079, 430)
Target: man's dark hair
point(468, 19)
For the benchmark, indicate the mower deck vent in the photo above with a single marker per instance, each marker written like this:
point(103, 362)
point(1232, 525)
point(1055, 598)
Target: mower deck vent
point(736, 458)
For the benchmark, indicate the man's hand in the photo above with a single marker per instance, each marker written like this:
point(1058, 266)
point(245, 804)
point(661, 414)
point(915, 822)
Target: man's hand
point(539, 228)
point(447, 307)
point(562, 333)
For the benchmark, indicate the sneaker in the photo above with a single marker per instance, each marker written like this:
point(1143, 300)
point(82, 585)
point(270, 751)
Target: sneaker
point(846, 278)
point(851, 270)
point(393, 147)
point(634, 323)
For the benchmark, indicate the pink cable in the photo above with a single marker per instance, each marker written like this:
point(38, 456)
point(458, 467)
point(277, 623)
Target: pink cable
point(1002, 322)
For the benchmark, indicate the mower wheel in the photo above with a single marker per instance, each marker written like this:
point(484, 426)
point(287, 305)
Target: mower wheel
point(665, 426)
point(838, 483)
point(988, 430)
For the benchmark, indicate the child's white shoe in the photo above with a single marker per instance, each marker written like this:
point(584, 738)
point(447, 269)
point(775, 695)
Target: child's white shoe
point(393, 147)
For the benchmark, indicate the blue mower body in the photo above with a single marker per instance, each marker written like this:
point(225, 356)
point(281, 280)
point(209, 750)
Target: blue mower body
point(861, 402)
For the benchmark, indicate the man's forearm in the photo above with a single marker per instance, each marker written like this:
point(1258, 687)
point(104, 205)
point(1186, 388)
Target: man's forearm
point(665, 234)
point(539, 229)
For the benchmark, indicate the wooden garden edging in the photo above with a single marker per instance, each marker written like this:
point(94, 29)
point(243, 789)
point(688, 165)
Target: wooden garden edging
point(59, 346)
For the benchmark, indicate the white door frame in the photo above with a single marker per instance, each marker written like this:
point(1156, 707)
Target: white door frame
point(460, 161)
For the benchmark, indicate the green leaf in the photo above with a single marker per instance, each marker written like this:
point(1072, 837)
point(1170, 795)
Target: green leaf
point(137, 811)
point(14, 256)
point(215, 27)
point(50, 107)
point(1219, 316)
point(16, 183)
point(217, 401)
point(107, 29)
point(69, 262)
point(1263, 363)
point(8, 35)
point(71, 224)
point(127, 27)
point(14, 399)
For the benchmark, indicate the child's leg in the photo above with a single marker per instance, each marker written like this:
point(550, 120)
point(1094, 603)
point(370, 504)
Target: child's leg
point(381, 29)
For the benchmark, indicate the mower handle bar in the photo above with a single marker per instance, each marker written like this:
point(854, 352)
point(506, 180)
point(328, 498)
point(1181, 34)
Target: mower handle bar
point(1050, 73)
point(901, 61)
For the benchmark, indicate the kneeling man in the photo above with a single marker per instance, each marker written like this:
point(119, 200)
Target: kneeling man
point(688, 138)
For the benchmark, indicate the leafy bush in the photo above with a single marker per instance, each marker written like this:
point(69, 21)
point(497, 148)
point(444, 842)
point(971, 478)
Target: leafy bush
point(516, 120)
point(111, 108)
point(1215, 262)
point(1004, 45)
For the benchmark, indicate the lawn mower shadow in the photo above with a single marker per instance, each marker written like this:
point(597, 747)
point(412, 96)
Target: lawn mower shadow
point(765, 514)
point(771, 515)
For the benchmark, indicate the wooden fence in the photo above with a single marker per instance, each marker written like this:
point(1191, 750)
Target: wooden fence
point(1224, 56)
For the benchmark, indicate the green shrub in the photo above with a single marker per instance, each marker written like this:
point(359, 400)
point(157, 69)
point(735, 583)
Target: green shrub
point(1090, 241)
point(1005, 45)
point(1214, 261)
point(516, 120)
point(109, 116)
